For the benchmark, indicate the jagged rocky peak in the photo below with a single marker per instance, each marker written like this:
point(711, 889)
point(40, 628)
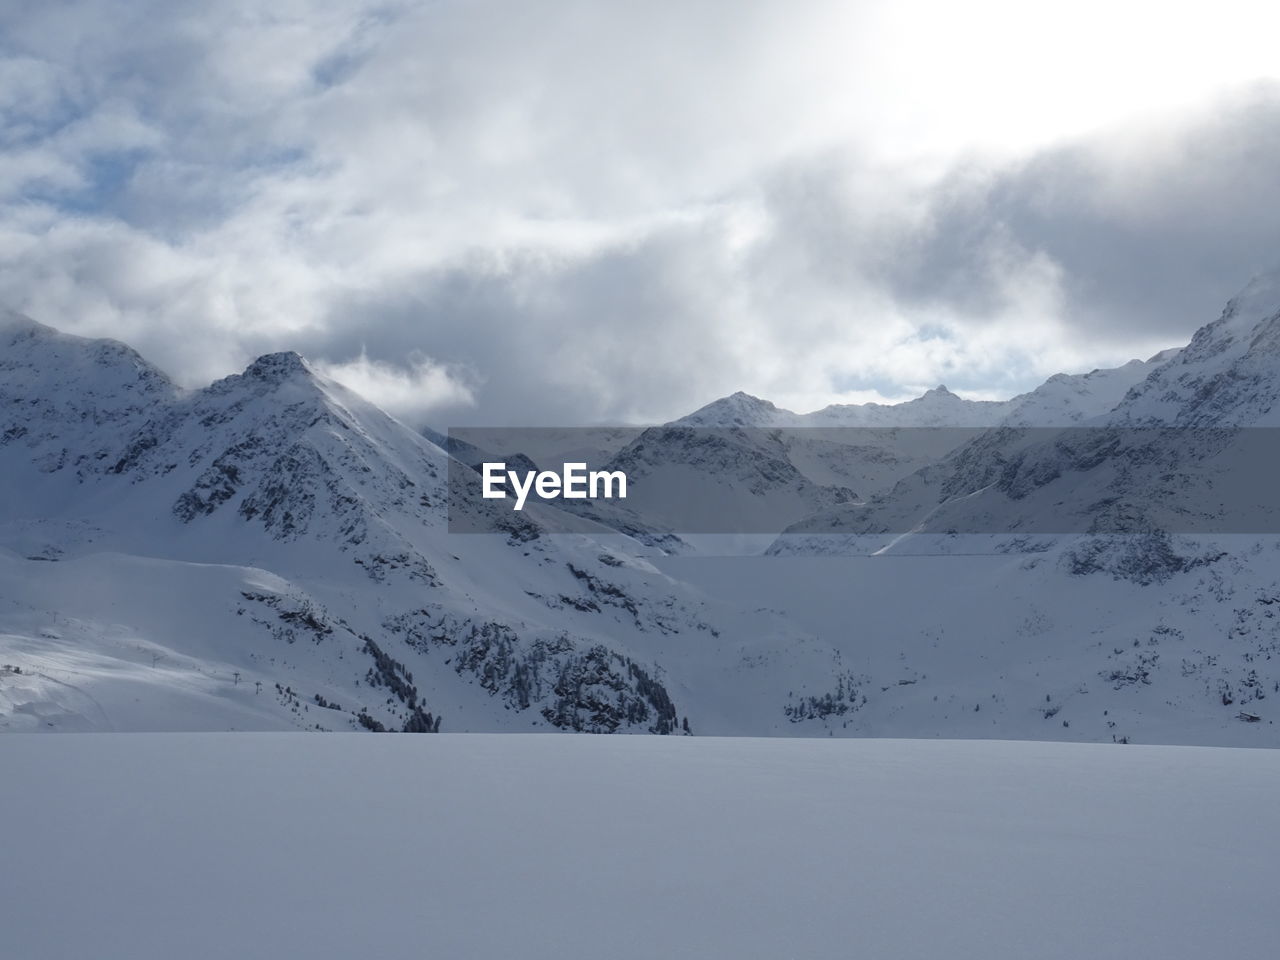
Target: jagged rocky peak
point(278, 367)
point(272, 373)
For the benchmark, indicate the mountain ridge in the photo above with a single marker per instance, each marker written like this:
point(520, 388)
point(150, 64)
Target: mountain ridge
point(273, 552)
point(326, 519)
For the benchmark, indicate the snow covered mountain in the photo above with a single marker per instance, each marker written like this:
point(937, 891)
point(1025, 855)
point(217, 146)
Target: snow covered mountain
point(64, 402)
point(854, 450)
point(1187, 449)
point(1226, 376)
point(938, 407)
point(1164, 504)
point(1068, 399)
point(1062, 400)
point(273, 552)
point(792, 462)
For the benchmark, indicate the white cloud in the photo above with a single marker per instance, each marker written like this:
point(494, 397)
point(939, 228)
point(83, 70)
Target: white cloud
point(416, 390)
point(619, 211)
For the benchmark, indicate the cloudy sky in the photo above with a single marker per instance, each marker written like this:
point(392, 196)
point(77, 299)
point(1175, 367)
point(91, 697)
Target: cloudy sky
point(550, 211)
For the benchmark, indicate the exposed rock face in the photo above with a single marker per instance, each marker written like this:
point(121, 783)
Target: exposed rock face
point(286, 469)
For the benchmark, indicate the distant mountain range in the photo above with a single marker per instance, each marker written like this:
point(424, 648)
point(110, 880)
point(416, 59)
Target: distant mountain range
point(742, 459)
point(1062, 400)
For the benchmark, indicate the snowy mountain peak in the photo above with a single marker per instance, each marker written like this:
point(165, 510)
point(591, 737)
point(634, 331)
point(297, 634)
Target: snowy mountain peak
point(738, 410)
point(278, 367)
point(14, 325)
point(287, 377)
point(274, 531)
point(65, 401)
point(1257, 305)
point(51, 353)
point(1260, 296)
point(1229, 374)
point(341, 512)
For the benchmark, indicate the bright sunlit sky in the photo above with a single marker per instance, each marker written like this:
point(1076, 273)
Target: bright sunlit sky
point(569, 212)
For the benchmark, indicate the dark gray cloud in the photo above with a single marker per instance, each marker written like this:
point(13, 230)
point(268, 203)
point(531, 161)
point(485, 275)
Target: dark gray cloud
point(1142, 251)
point(632, 332)
point(1150, 236)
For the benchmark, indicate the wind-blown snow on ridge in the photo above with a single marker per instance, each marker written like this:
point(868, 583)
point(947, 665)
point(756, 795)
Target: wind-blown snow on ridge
point(1226, 376)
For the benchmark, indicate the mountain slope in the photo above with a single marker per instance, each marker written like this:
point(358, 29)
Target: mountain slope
point(64, 400)
point(1068, 399)
point(1226, 376)
point(284, 501)
point(272, 552)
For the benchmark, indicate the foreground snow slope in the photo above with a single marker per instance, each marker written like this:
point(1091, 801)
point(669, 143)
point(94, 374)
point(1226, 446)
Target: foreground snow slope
point(283, 845)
